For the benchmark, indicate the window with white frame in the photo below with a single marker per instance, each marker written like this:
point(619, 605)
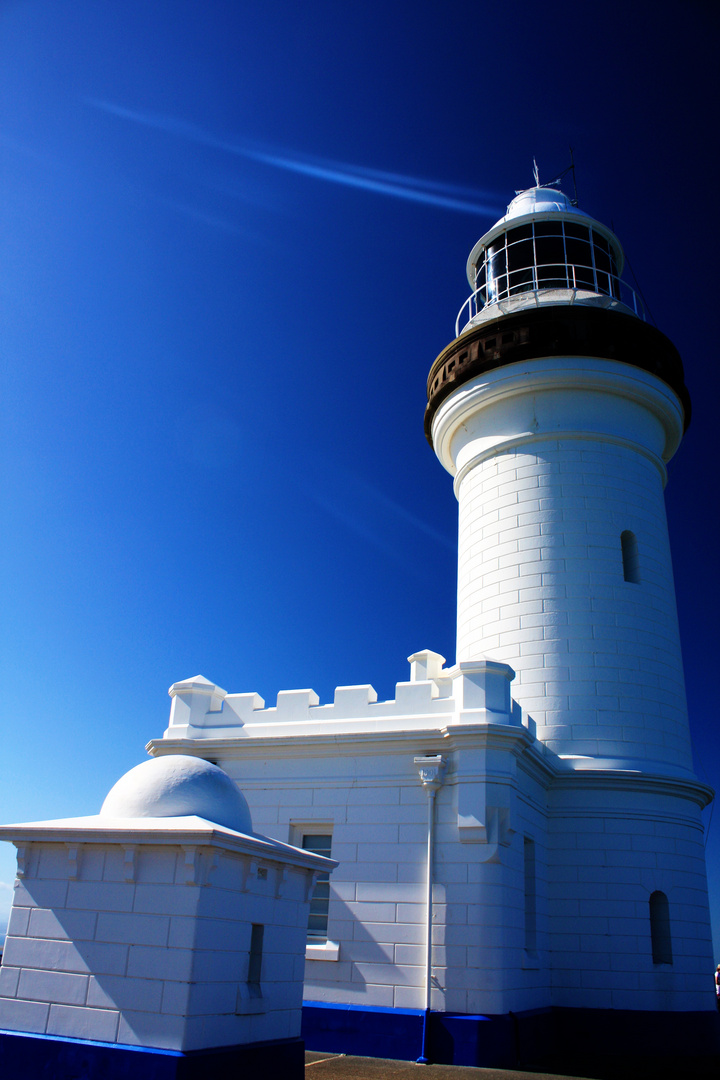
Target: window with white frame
point(320, 843)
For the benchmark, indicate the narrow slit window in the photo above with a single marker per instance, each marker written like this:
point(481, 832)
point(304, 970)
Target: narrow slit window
point(630, 557)
point(255, 960)
point(660, 928)
point(530, 895)
point(319, 844)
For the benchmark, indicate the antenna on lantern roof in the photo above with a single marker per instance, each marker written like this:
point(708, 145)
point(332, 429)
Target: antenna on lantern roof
point(557, 180)
point(572, 170)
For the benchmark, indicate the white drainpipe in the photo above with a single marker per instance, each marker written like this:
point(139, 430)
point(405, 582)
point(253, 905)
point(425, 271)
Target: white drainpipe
point(431, 769)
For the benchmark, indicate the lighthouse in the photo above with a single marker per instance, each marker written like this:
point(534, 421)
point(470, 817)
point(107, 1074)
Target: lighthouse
point(556, 409)
point(548, 902)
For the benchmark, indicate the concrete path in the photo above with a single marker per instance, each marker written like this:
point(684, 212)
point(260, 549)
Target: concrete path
point(320, 1066)
point(326, 1066)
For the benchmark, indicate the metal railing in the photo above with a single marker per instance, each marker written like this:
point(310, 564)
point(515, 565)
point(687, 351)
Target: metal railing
point(619, 290)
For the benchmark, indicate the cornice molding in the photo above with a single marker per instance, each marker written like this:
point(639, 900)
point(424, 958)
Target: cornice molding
point(196, 837)
point(523, 380)
point(619, 780)
point(539, 437)
point(532, 758)
point(365, 743)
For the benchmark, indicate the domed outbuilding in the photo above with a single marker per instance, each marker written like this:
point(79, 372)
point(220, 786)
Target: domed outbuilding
point(162, 924)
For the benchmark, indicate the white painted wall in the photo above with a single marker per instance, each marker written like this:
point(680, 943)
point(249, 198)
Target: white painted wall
point(610, 846)
point(603, 844)
point(377, 812)
point(153, 951)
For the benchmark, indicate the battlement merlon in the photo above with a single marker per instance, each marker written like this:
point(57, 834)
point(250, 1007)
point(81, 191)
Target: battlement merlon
point(473, 692)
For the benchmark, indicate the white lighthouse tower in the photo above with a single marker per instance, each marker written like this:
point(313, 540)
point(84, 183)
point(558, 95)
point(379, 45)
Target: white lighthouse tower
point(556, 410)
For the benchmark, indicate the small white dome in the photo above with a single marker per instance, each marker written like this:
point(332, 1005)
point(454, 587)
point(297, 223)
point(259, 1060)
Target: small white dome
point(177, 785)
point(541, 200)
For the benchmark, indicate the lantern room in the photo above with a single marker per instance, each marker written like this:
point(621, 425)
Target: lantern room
point(545, 251)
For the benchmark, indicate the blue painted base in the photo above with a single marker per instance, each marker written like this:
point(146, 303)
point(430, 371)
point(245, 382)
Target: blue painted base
point(26, 1055)
point(585, 1042)
point(624, 1044)
point(354, 1029)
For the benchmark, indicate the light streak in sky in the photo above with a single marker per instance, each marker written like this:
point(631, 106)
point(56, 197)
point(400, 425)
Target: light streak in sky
point(377, 519)
point(374, 534)
point(399, 511)
point(428, 192)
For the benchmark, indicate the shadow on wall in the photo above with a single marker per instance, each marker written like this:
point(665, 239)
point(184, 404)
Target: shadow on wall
point(149, 951)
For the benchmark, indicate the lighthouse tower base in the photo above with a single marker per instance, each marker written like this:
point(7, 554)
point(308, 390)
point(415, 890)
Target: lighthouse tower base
point(611, 1043)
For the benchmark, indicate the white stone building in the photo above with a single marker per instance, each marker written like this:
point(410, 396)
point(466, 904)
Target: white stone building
point(161, 938)
point(569, 894)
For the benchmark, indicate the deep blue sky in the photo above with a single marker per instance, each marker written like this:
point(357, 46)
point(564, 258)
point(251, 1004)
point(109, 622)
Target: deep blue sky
point(232, 242)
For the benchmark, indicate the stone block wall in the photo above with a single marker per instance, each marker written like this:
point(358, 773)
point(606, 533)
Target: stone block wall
point(601, 846)
point(149, 945)
point(376, 810)
point(609, 852)
point(541, 587)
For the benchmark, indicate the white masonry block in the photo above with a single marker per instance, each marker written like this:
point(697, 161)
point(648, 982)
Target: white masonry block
point(111, 962)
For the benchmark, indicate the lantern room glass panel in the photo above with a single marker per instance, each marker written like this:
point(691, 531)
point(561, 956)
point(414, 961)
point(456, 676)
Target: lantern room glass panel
point(497, 270)
point(520, 259)
point(552, 254)
point(579, 256)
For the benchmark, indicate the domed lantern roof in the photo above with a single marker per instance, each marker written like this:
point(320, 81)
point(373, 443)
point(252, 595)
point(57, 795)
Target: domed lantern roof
point(541, 200)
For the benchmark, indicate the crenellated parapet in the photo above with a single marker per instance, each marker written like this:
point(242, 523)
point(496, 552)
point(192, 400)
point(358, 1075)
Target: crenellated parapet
point(476, 692)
